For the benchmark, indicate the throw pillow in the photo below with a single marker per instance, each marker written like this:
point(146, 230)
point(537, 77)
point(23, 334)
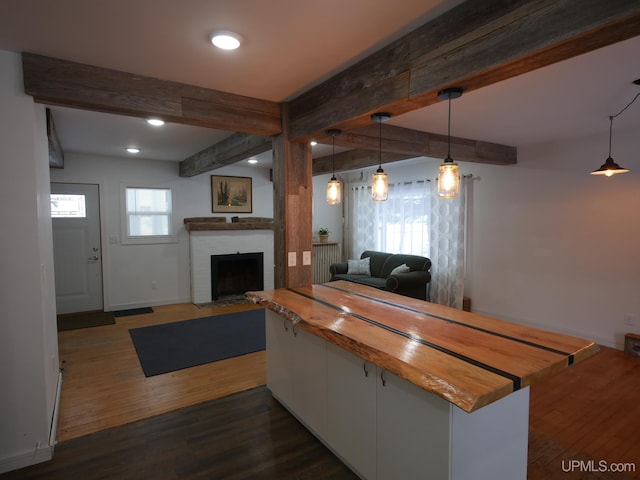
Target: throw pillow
point(359, 267)
point(400, 269)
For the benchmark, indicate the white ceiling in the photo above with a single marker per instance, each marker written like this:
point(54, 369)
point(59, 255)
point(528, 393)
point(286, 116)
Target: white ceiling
point(289, 46)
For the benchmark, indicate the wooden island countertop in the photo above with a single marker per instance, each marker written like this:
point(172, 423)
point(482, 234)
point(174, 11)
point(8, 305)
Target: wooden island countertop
point(468, 359)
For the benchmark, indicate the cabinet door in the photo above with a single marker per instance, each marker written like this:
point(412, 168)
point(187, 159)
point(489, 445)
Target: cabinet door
point(280, 374)
point(351, 398)
point(413, 431)
point(309, 362)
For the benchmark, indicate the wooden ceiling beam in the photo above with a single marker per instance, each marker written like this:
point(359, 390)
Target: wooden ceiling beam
point(233, 149)
point(69, 84)
point(414, 143)
point(477, 43)
point(355, 159)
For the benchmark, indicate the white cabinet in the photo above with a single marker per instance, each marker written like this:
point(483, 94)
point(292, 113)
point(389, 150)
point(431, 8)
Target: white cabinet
point(351, 409)
point(384, 427)
point(297, 371)
point(412, 431)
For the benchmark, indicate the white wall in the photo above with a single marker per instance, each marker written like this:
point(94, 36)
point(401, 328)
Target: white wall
point(325, 215)
point(131, 269)
point(556, 247)
point(549, 244)
point(28, 337)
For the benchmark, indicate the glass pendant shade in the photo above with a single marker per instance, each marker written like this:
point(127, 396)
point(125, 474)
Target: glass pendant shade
point(333, 191)
point(380, 186)
point(448, 179)
point(609, 168)
point(448, 173)
point(333, 187)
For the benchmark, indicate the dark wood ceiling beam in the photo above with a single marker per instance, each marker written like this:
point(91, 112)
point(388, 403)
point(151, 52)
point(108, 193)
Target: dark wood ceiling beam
point(355, 159)
point(69, 84)
point(477, 43)
point(233, 149)
point(414, 143)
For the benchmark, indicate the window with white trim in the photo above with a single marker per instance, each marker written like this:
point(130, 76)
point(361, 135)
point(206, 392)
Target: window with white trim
point(148, 213)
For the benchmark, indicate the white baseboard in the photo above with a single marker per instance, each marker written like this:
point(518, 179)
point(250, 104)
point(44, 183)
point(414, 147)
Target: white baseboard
point(149, 303)
point(40, 454)
point(56, 413)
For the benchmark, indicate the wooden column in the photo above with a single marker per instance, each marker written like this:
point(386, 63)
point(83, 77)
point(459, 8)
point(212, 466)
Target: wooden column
point(293, 196)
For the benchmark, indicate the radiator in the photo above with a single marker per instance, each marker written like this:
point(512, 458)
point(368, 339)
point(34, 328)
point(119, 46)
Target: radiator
point(324, 254)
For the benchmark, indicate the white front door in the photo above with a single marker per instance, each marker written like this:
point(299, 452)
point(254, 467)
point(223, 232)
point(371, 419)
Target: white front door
point(77, 253)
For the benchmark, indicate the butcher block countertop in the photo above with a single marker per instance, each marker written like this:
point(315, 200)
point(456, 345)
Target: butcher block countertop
point(468, 359)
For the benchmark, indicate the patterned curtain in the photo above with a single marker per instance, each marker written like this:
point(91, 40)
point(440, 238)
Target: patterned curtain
point(399, 225)
point(447, 228)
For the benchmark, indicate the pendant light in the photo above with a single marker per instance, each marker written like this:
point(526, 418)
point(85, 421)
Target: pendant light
point(333, 187)
point(380, 183)
point(609, 167)
point(448, 173)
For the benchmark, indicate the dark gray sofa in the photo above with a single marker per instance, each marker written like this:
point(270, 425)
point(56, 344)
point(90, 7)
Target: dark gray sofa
point(411, 284)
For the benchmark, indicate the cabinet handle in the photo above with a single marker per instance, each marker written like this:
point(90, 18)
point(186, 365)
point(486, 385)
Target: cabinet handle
point(293, 327)
point(284, 324)
point(364, 367)
point(384, 381)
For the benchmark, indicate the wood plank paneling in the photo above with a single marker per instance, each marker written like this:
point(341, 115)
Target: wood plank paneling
point(235, 148)
point(70, 84)
point(475, 44)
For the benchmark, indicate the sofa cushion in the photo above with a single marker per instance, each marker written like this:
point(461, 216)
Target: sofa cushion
point(362, 279)
point(404, 268)
point(377, 260)
point(414, 262)
point(359, 267)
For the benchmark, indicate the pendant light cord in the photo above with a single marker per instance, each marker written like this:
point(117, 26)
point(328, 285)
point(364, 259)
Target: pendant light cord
point(333, 157)
point(616, 115)
point(449, 131)
point(380, 144)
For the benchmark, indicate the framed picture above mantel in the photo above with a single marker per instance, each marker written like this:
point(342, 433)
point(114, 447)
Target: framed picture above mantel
point(231, 194)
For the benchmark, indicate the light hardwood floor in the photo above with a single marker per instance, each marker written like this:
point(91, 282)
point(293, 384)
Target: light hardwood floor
point(104, 386)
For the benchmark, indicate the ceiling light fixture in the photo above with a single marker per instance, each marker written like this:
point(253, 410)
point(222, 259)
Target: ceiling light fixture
point(133, 150)
point(380, 183)
point(333, 187)
point(448, 173)
point(225, 39)
point(252, 161)
point(156, 122)
point(609, 167)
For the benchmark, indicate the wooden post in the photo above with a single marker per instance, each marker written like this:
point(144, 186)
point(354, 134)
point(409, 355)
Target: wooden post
point(293, 196)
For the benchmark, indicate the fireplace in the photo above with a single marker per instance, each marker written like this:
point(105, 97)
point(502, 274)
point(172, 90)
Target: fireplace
point(236, 273)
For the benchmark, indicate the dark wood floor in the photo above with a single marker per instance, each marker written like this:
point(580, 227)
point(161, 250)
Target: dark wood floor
point(247, 435)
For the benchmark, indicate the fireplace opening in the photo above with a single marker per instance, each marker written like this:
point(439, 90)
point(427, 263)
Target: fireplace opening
point(234, 274)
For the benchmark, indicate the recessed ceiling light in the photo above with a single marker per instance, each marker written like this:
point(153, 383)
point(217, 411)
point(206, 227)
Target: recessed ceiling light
point(252, 161)
point(313, 143)
point(156, 122)
point(133, 150)
point(225, 39)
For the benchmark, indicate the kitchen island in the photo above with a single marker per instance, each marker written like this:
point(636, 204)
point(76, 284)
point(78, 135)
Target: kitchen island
point(402, 388)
